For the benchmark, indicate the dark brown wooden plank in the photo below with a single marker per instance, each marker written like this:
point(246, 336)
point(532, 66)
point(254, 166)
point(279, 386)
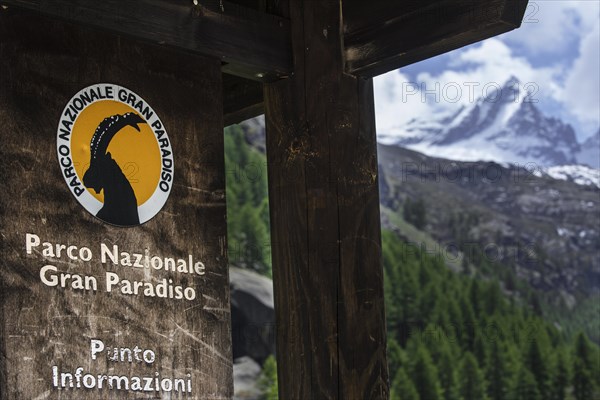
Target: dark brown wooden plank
point(250, 44)
point(361, 302)
point(242, 99)
point(383, 35)
point(287, 146)
point(325, 219)
point(42, 64)
point(367, 20)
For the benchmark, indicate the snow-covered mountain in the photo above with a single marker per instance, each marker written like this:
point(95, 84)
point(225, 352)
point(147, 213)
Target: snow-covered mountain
point(505, 127)
point(579, 174)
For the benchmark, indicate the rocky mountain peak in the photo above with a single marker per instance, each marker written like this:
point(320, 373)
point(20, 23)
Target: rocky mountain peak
point(504, 125)
point(589, 154)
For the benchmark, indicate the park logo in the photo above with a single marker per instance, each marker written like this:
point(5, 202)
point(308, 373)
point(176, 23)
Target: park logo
point(115, 154)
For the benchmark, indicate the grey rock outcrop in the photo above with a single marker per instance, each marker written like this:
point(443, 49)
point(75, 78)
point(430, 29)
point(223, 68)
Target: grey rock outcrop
point(246, 373)
point(253, 328)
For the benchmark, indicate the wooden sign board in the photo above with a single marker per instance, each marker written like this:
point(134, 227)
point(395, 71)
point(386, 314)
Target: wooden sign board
point(113, 269)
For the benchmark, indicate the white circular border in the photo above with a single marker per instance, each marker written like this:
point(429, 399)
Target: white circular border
point(155, 203)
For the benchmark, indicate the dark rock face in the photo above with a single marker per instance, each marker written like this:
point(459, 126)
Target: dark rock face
point(253, 321)
point(483, 113)
point(253, 315)
point(547, 230)
point(590, 151)
point(552, 141)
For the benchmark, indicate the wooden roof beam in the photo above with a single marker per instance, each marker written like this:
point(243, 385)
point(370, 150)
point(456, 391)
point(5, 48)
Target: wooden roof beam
point(379, 39)
point(242, 99)
point(251, 44)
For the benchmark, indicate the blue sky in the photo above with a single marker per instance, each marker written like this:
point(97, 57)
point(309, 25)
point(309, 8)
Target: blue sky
point(555, 53)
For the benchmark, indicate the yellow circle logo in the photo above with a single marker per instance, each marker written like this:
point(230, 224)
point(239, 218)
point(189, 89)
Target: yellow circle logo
point(115, 154)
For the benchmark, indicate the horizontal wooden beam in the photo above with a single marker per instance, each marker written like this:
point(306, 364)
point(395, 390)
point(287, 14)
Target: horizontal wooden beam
point(250, 44)
point(254, 43)
point(242, 99)
point(383, 35)
point(469, 23)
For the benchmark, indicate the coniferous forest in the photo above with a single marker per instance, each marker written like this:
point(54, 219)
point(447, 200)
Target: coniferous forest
point(451, 335)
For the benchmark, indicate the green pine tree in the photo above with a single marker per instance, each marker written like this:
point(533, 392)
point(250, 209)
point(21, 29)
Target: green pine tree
point(420, 214)
point(526, 387)
point(583, 379)
point(424, 375)
point(497, 373)
point(468, 326)
point(267, 382)
point(480, 348)
point(506, 351)
point(395, 355)
point(475, 297)
point(247, 203)
point(402, 387)
point(447, 373)
point(415, 213)
point(537, 364)
point(493, 301)
point(535, 304)
point(472, 381)
point(560, 382)
point(455, 316)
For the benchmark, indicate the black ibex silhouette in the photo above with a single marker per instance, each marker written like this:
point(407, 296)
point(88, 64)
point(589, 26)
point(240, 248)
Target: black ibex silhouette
point(120, 203)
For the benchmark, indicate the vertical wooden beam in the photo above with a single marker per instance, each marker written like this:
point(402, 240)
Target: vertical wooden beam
point(324, 199)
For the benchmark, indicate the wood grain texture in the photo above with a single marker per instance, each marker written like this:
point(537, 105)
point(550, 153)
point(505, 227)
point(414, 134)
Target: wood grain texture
point(250, 44)
point(43, 64)
point(252, 37)
point(325, 219)
point(242, 99)
point(383, 35)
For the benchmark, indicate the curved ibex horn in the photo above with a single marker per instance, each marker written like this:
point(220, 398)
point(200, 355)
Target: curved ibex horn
point(108, 129)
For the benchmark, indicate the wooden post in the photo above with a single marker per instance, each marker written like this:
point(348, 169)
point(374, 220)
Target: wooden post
point(324, 200)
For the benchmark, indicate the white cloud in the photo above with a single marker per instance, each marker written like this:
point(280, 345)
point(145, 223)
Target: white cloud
point(476, 72)
point(492, 63)
point(394, 103)
point(561, 65)
point(582, 87)
point(551, 26)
